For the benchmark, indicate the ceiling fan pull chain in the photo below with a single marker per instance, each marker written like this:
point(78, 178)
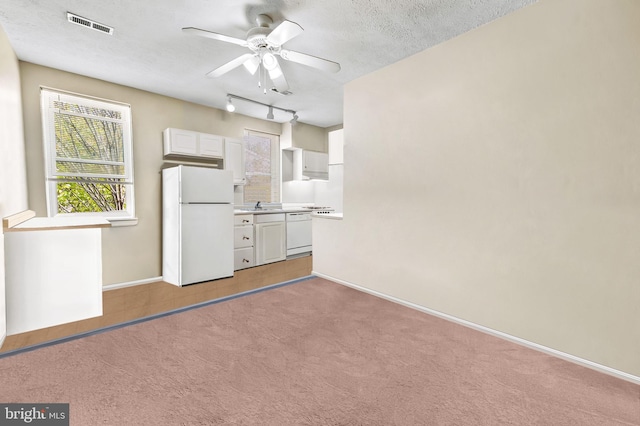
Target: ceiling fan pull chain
point(259, 74)
point(264, 80)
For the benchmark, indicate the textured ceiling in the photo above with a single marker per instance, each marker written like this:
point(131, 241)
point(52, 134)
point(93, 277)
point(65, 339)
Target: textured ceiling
point(149, 51)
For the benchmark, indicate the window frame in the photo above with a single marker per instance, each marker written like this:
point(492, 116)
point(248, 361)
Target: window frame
point(276, 168)
point(48, 111)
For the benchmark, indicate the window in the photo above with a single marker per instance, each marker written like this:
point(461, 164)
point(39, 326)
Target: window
point(88, 155)
point(262, 167)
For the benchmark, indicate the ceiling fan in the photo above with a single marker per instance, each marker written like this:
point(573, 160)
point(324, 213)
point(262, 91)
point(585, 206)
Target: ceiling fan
point(265, 44)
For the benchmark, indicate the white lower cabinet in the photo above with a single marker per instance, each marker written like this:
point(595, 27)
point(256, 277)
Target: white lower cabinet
point(271, 238)
point(259, 239)
point(243, 242)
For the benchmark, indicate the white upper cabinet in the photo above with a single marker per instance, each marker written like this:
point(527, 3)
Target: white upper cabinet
point(336, 147)
point(234, 160)
point(190, 143)
point(210, 145)
point(178, 141)
point(315, 165)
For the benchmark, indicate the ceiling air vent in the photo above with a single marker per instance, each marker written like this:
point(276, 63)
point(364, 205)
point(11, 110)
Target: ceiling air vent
point(88, 23)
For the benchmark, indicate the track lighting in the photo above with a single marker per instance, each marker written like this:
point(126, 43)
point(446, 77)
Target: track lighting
point(270, 115)
point(230, 106)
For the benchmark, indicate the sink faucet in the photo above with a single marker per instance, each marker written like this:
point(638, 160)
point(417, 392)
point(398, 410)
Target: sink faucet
point(258, 206)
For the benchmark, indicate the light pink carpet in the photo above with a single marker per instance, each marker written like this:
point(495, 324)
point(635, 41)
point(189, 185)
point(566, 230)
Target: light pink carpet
point(312, 353)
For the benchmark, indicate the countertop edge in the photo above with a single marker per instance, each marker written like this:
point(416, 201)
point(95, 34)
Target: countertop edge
point(332, 216)
point(271, 211)
point(58, 224)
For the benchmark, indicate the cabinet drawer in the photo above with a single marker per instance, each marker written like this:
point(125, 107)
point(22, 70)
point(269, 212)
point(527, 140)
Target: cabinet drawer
point(270, 217)
point(243, 219)
point(243, 258)
point(243, 236)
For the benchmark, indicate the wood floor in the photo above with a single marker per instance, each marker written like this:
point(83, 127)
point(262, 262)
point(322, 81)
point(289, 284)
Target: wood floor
point(130, 303)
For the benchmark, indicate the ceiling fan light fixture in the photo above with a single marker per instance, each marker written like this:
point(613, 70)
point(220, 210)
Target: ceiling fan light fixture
point(269, 61)
point(230, 106)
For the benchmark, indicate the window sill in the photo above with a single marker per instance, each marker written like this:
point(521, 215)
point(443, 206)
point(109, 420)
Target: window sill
point(123, 222)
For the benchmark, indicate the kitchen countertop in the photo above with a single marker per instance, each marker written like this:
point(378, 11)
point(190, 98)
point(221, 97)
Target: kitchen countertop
point(273, 210)
point(26, 221)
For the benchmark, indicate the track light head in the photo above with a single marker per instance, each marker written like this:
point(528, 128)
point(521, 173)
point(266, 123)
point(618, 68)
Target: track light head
point(230, 106)
point(270, 113)
point(294, 120)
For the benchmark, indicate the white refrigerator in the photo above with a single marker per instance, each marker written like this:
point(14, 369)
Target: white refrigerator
point(197, 224)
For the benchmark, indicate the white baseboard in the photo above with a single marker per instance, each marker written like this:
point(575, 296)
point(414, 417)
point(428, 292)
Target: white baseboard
point(130, 283)
point(568, 357)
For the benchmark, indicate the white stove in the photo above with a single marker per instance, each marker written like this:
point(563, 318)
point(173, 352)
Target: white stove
point(320, 210)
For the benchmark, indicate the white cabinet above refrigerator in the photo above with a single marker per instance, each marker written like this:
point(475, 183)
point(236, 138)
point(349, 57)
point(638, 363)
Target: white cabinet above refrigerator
point(179, 142)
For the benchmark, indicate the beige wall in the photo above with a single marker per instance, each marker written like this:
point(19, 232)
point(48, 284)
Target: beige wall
point(498, 180)
point(134, 252)
point(13, 182)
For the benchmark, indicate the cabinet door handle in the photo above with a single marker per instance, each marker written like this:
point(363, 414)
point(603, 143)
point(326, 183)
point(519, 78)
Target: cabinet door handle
point(245, 221)
point(245, 261)
point(245, 237)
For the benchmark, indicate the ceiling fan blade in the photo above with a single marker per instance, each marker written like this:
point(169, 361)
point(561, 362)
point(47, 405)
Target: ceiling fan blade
point(252, 64)
point(284, 32)
point(230, 65)
point(277, 77)
point(311, 61)
point(215, 36)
